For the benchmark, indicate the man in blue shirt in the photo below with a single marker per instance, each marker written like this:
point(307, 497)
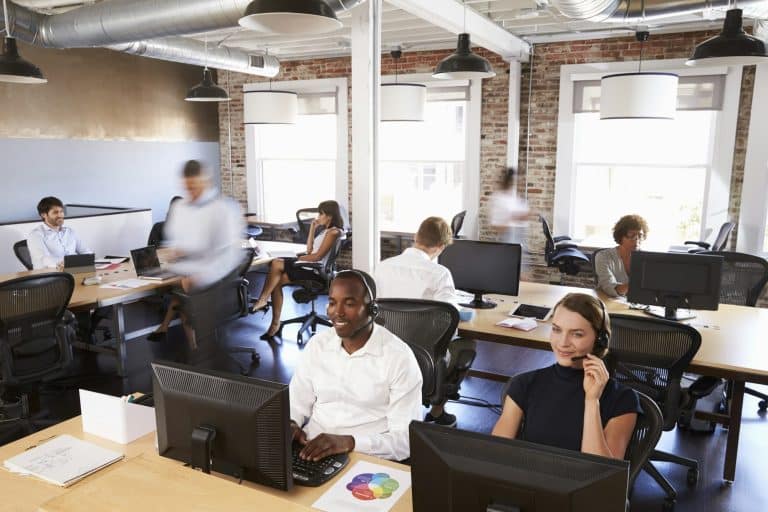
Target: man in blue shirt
point(49, 242)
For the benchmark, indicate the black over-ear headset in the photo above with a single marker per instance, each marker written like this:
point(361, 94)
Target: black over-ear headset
point(372, 308)
point(602, 339)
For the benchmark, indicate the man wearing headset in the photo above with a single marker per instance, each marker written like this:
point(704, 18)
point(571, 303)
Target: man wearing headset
point(357, 386)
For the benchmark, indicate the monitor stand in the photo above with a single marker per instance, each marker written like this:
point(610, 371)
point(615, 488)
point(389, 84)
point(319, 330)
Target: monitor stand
point(670, 313)
point(202, 441)
point(479, 303)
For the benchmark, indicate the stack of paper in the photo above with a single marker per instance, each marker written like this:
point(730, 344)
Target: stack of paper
point(521, 324)
point(62, 461)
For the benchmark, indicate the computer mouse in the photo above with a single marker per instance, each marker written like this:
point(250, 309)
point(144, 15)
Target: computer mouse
point(89, 281)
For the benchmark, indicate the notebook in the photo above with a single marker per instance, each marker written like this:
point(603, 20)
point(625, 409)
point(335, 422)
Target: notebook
point(63, 460)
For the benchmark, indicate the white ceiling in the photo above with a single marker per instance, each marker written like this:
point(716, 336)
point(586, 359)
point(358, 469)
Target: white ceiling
point(532, 20)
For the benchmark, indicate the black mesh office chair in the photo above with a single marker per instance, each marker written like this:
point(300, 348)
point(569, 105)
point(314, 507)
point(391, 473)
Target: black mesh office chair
point(21, 251)
point(561, 254)
point(457, 222)
point(650, 355)
point(741, 283)
point(304, 218)
point(428, 327)
point(36, 332)
point(208, 309)
point(156, 235)
point(308, 291)
point(718, 244)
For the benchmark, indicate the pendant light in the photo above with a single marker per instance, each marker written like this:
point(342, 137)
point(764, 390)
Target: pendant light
point(298, 17)
point(402, 102)
point(463, 64)
point(270, 107)
point(640, 95)
point(207, 90)
point(13, 68)
point(732, 46)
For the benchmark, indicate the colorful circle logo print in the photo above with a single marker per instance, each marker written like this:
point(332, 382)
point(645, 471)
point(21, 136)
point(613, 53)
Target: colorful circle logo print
point(372, 486)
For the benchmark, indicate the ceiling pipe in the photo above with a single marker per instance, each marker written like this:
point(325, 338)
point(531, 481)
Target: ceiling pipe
point(644, 11)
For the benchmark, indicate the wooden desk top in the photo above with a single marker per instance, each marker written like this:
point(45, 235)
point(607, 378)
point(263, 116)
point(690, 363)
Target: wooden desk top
point(145, 481)
point(732, 337)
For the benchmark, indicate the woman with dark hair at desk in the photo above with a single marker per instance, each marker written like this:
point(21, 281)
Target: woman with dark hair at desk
point(612, 265)
point(324, 231)
point(573, 404)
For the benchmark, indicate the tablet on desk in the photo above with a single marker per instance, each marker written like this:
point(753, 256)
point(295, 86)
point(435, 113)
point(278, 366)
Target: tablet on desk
point(528, 311)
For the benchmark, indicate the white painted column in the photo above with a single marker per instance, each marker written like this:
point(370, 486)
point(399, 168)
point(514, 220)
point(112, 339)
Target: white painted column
point(513, 121)
point(366, 81)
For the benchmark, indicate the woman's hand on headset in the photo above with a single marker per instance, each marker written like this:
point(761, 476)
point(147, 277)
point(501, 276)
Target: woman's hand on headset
point(595, 377)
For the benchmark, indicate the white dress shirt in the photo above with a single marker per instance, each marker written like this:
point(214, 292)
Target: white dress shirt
point(610, 271)
point(372, 394)
point(48, 246)
point(208, 232)
point(412, 275)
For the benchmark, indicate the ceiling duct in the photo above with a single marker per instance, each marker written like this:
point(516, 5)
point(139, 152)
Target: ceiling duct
point(643, 11)
point(116, 24)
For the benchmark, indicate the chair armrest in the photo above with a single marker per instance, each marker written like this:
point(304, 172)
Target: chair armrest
point(309, 265)
point(703, 245)
point(565, 246)
point(464, 360)
point(560, 238)
point(68, 317)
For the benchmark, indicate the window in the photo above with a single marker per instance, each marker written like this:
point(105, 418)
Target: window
point(676, 174)
point(297, 166)
point(422, 170)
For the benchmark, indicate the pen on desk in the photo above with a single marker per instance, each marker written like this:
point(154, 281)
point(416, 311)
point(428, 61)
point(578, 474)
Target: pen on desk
point(40, 441)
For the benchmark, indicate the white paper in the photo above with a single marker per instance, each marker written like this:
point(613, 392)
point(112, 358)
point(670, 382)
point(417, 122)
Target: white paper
point(365, 487)
point(115, 419)
point(62, 460)
point(522, 324)
point(125, 284)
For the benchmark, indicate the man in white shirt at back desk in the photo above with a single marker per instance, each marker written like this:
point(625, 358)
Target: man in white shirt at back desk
point(416, 274)
point(49, 242)
point(357, 386)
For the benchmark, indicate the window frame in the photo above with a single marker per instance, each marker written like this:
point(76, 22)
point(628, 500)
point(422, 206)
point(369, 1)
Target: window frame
point(718, 180)
point(253, 167)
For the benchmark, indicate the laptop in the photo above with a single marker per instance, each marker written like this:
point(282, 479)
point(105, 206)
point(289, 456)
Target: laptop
point(80, 263)
point(147, 264)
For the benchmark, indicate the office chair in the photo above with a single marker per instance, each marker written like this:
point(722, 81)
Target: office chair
point(457, 222)
point(21, 251)
point(36, 332)
point(741, 283)
point(308, 292)
point(650, 355)
point(210, 308)
point(156, 235)
point(304, 218)
point(428, 327)
point(718, 244)
point(565, 256)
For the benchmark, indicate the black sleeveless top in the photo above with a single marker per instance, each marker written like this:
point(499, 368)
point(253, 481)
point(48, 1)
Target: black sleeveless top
point(552, 400)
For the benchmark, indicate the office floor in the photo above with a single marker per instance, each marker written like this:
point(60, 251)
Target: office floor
point(278, 360)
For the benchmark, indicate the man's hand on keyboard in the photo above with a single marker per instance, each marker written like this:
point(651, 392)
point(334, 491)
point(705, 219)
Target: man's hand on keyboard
point(327, 444)
point(299, 435)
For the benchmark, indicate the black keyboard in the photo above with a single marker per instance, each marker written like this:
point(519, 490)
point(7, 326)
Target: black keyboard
point(313, 473)
point(529, 311)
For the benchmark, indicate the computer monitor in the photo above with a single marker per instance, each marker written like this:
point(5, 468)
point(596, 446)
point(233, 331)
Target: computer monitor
point(229, 423)
point(483, 267)
point(459, 471)
point(667, 281)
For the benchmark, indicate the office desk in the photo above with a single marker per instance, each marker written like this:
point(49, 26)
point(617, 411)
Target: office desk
point(732, 345)
point(145, 481)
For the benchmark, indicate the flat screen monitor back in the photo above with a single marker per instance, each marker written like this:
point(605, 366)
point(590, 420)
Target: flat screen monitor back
point(459, 471)
point(674, 280)
point(248, 418)
point(483, 267)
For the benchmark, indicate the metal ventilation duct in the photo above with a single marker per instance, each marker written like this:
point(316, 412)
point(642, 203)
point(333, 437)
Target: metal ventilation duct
point(113, 24)
point(640, 11)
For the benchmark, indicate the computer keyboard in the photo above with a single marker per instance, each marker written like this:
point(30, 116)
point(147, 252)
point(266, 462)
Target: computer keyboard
point(529, 311)
point(313, 473)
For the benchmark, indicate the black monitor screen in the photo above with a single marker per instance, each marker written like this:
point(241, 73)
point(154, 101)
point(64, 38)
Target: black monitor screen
point(239, 423)
point(459, 471)
point(483, 267)
point(675, 280)
point(145, 258)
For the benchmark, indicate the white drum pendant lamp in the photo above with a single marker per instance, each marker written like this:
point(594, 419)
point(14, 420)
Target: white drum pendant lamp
point(638, 95)
point(270, 107)
point(402, 102)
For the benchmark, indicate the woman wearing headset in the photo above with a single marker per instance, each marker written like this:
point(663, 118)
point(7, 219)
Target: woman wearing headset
point(573, 404)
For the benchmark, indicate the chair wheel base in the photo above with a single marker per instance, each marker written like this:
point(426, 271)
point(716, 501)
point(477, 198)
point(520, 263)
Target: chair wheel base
point(692, 477)
point(762, 405)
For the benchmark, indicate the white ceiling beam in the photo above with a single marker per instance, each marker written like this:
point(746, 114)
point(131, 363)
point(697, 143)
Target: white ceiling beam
point(449, 15)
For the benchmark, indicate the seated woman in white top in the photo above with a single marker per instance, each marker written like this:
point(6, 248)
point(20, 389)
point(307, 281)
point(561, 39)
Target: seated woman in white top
point(612, 265)
point(282, 271)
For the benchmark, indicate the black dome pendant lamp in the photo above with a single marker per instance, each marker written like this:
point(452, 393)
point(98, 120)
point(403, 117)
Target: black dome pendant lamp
point(14, 69)
point(732, 46)
point(207, 90)
point(463, 64)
